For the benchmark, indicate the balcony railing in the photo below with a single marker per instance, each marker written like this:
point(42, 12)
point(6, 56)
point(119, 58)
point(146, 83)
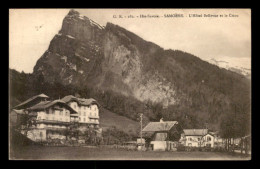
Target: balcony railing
point(74, 121)
point(93, 122)
point(52, 121)
point(93, 117)
point(49, 128)
point(89, 122)
point(55, 128)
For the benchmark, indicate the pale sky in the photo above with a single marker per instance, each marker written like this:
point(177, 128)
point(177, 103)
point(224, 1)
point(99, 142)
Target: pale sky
point(225, 38)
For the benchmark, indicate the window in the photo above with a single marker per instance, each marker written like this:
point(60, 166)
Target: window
point(41, 134)
point(79, 119)
point(209, 138)
point(198, 139)
point(84, 113)
point(79, 113)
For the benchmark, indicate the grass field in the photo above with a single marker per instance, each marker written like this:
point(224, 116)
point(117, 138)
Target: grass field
point(109, 119)
point(87, 153)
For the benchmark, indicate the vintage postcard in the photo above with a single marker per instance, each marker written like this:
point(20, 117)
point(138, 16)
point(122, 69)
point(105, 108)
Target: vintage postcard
point(129, 84)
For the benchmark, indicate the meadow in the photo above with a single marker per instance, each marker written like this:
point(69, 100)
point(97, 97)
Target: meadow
point(96, 153)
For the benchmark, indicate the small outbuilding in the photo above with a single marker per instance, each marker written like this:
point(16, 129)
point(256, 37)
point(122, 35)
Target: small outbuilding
point(18, 118)
point(163, 135)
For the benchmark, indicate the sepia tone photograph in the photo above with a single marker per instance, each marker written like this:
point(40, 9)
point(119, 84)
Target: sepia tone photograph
point(129, 84)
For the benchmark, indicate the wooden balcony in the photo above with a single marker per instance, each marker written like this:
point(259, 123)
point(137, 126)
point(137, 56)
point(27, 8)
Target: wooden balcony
point(55, 129)
point(49, 128)
point(52, 122)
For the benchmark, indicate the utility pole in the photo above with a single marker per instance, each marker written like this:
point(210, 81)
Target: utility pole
point(141, 121)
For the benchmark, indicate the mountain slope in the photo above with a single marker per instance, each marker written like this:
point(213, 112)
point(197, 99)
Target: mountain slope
point(111, 59)
point(240, 70)
point(109, 119)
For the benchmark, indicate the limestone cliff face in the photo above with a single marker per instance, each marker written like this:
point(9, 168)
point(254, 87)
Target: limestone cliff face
point(111, 58)
point(73, 52)
point(126, 55)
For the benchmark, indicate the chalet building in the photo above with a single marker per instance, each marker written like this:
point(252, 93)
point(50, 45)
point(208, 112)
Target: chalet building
point(218, 141)
point(192, 137)
point(50, 120)
point(198, 138)
point(32, 101)
point(87, 111)
point(40, 119)
point(164, 134)
point(208, 140)
point(19, 113)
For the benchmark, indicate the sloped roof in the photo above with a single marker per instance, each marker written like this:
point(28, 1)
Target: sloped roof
point(87, 102)
point(195, 132)
point(159, 126)
point(214, 133)
point(19, 111)
point(81, 101)
point(47, 104)
point(69, 98)
point(31, 99)
point(209, 134)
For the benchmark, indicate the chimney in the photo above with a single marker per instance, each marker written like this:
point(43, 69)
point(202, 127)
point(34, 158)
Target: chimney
point(161, 120)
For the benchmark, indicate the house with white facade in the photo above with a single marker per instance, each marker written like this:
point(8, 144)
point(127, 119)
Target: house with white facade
point(53, 119)
point(87, 110)
point(193, 137)
point(207, 140)
point(199, 138)
point(49, 120)
point(218, 141)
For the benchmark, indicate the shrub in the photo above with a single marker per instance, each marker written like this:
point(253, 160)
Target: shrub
point(180, 147)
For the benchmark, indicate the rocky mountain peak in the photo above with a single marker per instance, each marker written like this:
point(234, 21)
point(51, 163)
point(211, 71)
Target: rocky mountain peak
point(114, 59)
point(81, 27)
point(73, 12)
